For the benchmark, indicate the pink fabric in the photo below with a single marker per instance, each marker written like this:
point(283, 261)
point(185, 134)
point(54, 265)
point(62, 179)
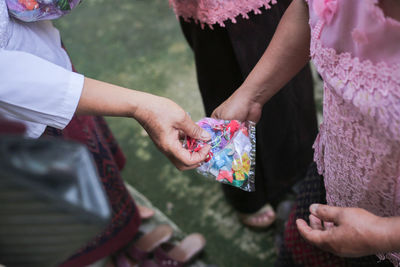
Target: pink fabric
point(217, 11)
point(358, 148)
point(325, 9)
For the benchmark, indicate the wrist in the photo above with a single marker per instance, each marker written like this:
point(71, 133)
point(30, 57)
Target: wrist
point(255, 94)
point(391, 230)
point(138, 105)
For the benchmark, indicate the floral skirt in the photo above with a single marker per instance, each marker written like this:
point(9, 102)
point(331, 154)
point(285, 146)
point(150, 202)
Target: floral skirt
point(295, 251)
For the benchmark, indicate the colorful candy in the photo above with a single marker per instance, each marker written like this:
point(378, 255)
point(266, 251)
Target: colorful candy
point(34, 10)
point(231, 159)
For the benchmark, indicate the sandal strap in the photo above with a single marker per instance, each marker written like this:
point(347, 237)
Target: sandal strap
point(163, 259)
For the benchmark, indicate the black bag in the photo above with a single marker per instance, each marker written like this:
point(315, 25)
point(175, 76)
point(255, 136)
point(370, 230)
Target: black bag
point(51, 201)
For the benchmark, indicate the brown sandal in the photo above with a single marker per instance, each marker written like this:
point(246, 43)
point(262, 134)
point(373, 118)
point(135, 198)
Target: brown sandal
point(143, 247)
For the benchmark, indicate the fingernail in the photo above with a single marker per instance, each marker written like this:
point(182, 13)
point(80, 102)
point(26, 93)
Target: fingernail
point(313, 208)
point(205, 135)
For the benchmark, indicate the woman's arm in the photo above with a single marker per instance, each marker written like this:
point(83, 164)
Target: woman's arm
point(285, 56)
point(163, 120)
point(350, 232)
point(36, 90)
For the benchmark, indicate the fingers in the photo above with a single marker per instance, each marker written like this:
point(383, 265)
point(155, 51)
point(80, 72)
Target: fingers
point(183, 159)
point(326, 213)
point(314, 236)
point(193, 130)
point(215, 114)
point(328, 225)
point(315, 223)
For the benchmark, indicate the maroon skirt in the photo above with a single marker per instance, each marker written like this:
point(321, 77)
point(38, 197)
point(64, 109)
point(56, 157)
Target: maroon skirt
point(95, 134)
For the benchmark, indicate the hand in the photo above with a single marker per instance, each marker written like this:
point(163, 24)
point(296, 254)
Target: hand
point(239, 106)
point(346, 232)
point(166, 122)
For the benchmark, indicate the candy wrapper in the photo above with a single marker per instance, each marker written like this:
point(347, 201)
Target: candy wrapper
point(231, 159)
point(34, 10)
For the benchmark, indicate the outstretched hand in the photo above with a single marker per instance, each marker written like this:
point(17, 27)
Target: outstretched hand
point(346, 232)
point(166, 122)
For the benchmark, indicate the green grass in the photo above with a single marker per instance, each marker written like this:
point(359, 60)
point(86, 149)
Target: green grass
point(138, 44)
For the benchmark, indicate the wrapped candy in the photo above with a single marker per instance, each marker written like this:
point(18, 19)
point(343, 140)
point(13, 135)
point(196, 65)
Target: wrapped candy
point(34, 10)
point(231, 159)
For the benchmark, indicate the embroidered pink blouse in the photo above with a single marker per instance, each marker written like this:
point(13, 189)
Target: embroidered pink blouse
point(356, 49)
point(217, 11)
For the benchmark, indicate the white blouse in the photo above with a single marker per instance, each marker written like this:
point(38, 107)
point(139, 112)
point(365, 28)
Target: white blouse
point(37, 85)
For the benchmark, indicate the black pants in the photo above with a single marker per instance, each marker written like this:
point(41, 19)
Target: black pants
point(224, 57)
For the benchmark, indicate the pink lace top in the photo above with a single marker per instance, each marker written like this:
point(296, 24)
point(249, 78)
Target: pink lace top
point(217, 11)
point(356, 49)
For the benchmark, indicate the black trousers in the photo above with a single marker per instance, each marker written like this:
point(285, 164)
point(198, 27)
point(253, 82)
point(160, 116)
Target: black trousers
point(224, 57)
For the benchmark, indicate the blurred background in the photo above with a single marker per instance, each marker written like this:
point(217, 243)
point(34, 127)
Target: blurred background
point(138, 44)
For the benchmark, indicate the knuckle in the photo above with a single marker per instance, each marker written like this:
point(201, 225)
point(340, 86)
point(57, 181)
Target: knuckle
point(185, 161)
point(322, 209)
point(195, 131)
point(181, 117)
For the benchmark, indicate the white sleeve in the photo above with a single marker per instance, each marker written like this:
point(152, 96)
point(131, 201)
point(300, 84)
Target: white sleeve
point(36, 90)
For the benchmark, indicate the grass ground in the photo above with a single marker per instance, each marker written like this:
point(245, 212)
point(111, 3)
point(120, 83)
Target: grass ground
point(138, 44)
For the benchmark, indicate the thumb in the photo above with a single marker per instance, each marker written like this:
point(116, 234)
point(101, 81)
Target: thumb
point(216, 113)
point(193, 130)
point(326, 213)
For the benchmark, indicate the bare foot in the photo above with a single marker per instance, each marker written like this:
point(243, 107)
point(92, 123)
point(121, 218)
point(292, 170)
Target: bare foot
point(145, 212)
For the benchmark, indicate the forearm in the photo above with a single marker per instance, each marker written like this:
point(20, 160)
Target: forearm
point(101, 98)
point(285, 56)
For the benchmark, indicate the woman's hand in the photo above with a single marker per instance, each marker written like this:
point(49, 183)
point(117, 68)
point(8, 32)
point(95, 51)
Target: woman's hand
point(239, 106)
point(346, 232)
point(166, 122)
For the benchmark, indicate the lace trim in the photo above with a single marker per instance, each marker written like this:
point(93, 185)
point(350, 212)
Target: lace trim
point(217, 11)
point(374, 90)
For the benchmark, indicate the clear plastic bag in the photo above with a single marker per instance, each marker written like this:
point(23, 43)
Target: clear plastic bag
point(34, 10)
point(232, 157)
